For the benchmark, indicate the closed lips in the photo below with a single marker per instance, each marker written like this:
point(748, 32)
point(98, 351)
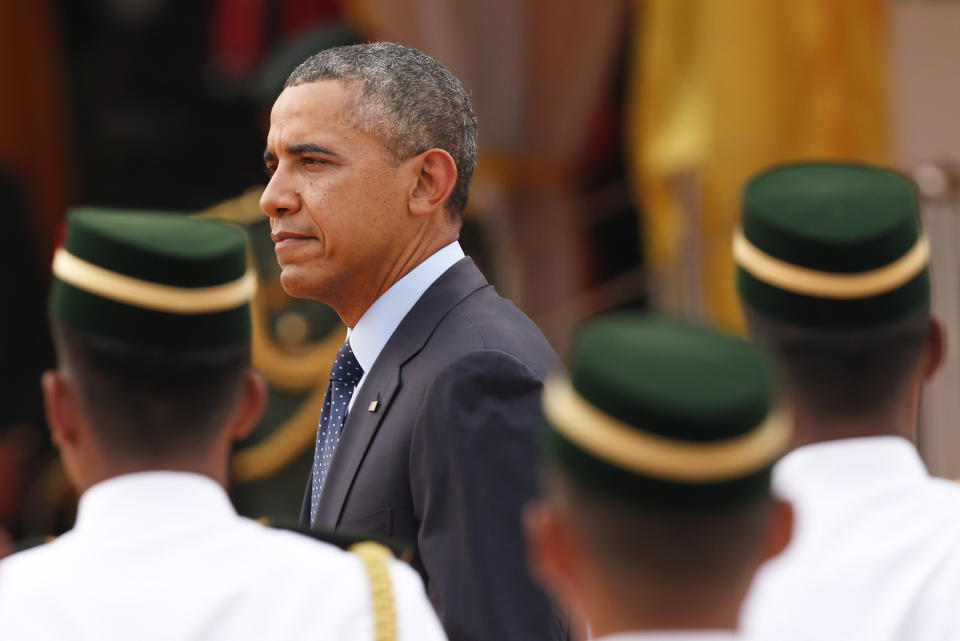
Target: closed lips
point(282, 239)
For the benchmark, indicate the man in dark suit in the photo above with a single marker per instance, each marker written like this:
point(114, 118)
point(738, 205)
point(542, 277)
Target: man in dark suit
point(428, 426)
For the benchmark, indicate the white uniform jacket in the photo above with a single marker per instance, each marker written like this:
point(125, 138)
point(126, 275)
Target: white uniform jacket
point(876, 548)
point(163, 555)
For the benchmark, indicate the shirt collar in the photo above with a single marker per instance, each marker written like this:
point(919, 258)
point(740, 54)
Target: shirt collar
point(376, 326)
point(834, 465)
point(140, 501)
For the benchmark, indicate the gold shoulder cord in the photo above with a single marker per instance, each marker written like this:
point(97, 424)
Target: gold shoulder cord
point(376, 559)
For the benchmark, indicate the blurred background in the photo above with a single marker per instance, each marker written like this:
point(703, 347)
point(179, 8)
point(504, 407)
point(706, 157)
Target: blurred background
point(615, 136)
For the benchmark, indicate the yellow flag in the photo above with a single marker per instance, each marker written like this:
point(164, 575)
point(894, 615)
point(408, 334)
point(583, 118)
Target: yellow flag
point(721, 89)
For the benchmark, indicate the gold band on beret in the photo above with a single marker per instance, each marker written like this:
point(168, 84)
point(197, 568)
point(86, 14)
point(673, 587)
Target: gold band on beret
point(156, 296)
point(624, 446)
point(812, 282)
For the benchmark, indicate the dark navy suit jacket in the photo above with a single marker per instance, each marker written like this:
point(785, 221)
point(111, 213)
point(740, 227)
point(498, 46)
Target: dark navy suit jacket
point(446, 459)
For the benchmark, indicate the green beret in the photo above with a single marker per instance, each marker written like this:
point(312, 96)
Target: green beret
point(153, 278)
point(832, 246)
point(666, 412)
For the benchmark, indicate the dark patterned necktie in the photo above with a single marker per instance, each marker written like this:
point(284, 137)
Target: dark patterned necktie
point(344, 376)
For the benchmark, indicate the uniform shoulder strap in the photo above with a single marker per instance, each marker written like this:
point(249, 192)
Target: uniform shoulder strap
point(376, 559)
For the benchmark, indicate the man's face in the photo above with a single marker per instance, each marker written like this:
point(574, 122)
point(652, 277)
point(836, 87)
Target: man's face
point(337, 202)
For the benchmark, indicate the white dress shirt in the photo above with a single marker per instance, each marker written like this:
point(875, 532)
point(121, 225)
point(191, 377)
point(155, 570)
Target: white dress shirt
point(164, 556)
point(371, 333)
point(673, 635)
point(876, 548)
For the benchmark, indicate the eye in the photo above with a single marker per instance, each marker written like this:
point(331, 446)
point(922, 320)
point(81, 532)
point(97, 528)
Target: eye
point(270, 170)
point(309, 161)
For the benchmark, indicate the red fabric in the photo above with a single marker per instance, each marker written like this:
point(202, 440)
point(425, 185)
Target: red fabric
point(237, 34)
point(295, 15)
point(241, 31)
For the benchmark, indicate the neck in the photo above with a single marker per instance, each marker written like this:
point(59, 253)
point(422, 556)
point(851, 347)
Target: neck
point(648, 619)
point(353, 301)
point(657, 608)
point(812, 426)
point(213, 465)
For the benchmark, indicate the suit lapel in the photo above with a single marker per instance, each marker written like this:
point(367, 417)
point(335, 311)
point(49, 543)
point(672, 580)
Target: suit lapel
point(382, 382)
point(357, 433)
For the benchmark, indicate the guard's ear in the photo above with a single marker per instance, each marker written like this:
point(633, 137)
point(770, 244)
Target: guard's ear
point(435, 176)
point(62, 409)
point(556, 561)
point(779, 529)
point(549, 547)
point(253, 399)
point(936, 349)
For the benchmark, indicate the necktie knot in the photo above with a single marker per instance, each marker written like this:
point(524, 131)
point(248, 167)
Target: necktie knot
point(346, 368)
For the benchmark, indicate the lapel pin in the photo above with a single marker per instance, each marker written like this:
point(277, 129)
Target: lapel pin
point(372, 407)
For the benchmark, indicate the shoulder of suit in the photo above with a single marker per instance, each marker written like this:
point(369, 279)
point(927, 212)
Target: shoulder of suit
point(486, 320)
point(490, 367)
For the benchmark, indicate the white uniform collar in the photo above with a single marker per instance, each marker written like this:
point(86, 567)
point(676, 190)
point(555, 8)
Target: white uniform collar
point(850, 463)
point(376, 326)
point(139, 502)
point(673, 635)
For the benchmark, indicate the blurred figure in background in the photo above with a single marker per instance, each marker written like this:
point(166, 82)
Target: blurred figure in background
point(657, 507)
point(833, 276)
point(152, 327)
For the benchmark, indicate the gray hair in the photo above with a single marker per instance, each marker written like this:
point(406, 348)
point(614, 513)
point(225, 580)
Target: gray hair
point(406, 99)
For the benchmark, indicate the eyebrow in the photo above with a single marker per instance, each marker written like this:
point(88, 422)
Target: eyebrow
point(300, 149)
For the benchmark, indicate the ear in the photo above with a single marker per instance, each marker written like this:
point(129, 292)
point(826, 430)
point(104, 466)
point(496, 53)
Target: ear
point(253, 399)
point(936, 349)
point(551, 555)
point(61, 409)
point(436, 174)
point(779, 529)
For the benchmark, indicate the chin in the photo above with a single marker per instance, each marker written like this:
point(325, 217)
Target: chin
point(294, 284)
point(298, 284)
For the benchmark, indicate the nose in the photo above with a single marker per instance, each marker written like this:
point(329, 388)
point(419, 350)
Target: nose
point(280, 197)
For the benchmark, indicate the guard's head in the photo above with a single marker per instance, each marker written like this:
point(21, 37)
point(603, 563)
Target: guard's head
point(658, 454)
point(151, 322)
point(832, 270)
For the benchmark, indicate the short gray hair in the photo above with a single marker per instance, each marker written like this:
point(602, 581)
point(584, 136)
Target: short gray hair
point(406, 99)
